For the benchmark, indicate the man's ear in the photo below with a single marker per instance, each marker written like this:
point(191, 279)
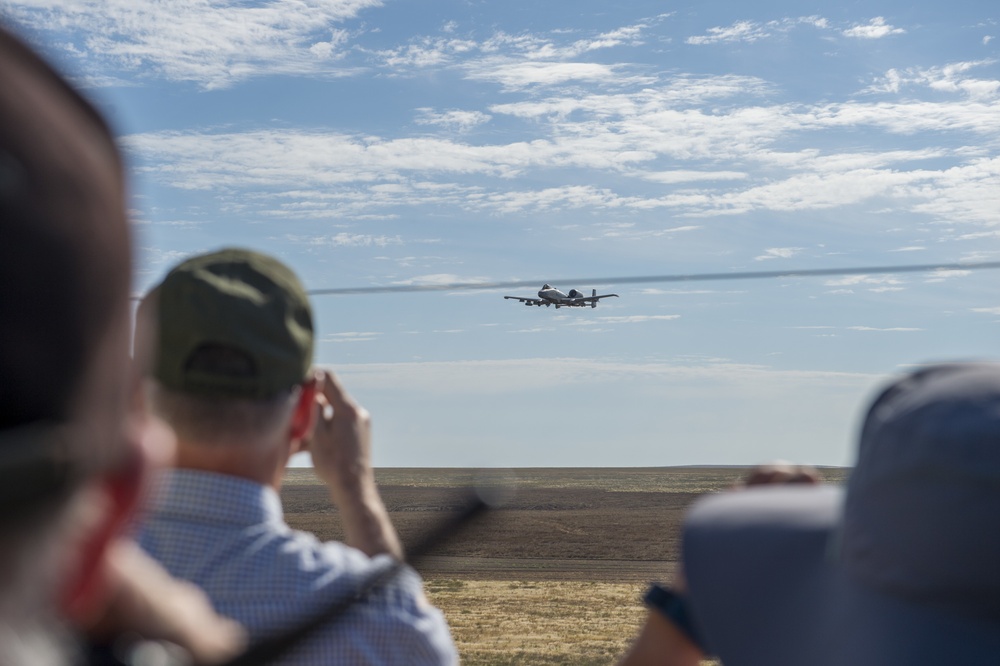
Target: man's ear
point(305, 414)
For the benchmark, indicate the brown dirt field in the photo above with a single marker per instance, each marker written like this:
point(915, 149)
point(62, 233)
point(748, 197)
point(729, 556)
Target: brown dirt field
point(611, 525)
point(554, 575)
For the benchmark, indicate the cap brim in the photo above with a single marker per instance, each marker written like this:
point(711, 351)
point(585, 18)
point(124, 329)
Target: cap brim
point(767, 590)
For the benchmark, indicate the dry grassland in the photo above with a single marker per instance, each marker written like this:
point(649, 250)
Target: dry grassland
point(555, 574)
point(544, 623)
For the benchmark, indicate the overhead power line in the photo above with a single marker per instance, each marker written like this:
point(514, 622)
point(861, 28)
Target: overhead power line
point(650, 279)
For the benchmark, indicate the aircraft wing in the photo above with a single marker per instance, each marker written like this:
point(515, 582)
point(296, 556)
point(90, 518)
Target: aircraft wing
point(528, 301)
point(593, 299)
point(584, 301)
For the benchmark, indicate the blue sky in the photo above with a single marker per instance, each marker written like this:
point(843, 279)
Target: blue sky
point(379, 143)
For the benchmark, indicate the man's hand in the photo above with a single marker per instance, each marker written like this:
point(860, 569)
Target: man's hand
point(341, 452)
point(779, 472)
point(341, 442)
point(660, 643)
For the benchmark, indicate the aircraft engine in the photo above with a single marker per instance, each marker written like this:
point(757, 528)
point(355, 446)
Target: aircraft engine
point(573, 293)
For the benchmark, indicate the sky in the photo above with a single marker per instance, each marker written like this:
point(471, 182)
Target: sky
point(373, 143)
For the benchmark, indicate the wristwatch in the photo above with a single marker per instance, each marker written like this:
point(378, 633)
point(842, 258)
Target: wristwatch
point(675, 607)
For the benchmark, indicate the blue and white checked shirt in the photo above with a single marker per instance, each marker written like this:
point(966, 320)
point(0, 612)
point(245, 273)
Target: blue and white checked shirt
point(228, 536)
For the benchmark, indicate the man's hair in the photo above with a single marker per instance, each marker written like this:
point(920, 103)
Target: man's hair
point(210, 420)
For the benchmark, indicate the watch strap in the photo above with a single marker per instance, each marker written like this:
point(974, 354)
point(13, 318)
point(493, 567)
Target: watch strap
point(676, 608)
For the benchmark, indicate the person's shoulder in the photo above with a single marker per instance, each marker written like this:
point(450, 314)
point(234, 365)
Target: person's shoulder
point(283, 554)
point(312, 555)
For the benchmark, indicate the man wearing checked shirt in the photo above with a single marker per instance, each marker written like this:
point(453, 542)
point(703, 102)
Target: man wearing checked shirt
point(233, 342)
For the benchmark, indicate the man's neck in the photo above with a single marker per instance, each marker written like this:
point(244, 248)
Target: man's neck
point(253, 463)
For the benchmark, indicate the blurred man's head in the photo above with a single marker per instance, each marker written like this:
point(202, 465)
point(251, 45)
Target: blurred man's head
point(64, 262)
point(233, 349)
point(65, 373)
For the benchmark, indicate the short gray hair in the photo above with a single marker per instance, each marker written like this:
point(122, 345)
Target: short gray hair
point(213, 420)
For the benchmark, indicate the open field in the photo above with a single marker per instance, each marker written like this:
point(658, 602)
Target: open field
point(552, 576)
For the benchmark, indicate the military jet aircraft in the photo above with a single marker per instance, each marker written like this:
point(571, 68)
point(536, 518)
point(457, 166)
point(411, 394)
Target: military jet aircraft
point(549, 295)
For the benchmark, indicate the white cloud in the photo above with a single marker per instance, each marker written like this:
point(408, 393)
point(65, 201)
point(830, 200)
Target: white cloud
point(553, 198)
point(989, 311)
point(346, 239)
point(741, 31)
point(752, 31)
point(778, 253)
point(455, 119)
point(213, 44)
point(441, 279)
point(352, 336)
point(286, 164)
point(875, 283)
point(884, 330)
point(629, 232)
point(533, 374)
point(654, 291)
point(517, 60)
point(154, 256)
point(665, 135)
point(628, 35)
point(808, 191)
point(686, 176)
point(951, 78)
point(645, 105)
point(514, 75)
point(941, 275)
point(268, 158)
point(425, 52)
point(875, 29)
point(628, 319)
point(979, 234)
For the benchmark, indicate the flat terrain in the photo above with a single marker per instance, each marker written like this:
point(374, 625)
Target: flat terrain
point(554, 573)
point(594, 525)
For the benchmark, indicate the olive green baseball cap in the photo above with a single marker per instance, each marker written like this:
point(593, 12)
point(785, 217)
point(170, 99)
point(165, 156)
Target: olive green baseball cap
point(247, 304)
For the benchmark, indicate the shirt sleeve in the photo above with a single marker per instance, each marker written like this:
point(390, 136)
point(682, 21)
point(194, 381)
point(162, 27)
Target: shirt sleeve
point(427, 634)
point(393, 624)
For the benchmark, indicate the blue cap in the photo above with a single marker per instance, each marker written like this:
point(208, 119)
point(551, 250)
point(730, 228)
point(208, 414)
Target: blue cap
point(900, 568)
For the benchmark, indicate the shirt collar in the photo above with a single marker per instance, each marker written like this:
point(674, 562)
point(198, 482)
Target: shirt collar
point(212, 497)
